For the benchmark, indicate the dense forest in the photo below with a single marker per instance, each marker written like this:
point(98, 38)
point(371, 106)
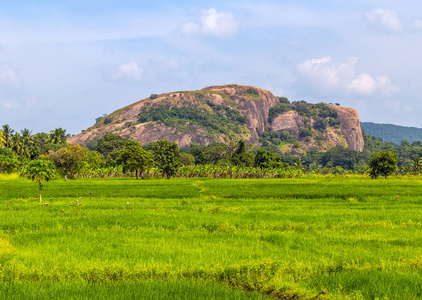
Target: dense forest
point(393, 133)
point(113, 155)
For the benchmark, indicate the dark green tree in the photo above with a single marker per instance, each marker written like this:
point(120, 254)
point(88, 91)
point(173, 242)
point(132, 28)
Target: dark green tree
point(242, 156)
point(110, 143)
point(134, 158)
point(383, 163)
point(58, 136)
point(167, 157)
point(70, 159)
point(7, 132)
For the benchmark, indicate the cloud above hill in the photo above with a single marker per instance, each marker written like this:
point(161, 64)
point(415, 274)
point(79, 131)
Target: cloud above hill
point(211, 22)
point(129, 72)
point(324, 75)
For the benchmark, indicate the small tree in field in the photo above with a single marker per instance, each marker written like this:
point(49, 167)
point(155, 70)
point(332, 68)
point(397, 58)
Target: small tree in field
point(383, 163)
point(40, 170)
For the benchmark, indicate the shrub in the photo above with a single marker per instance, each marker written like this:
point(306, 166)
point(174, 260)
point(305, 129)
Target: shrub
point(283, 100)
point(252, 91)
point(320, 124)
point(108, 120)
point(304, 132)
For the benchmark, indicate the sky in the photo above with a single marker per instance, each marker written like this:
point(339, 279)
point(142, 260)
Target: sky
point(65, 63)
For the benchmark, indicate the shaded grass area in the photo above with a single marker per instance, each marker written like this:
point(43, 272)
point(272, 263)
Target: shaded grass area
point(320, 238)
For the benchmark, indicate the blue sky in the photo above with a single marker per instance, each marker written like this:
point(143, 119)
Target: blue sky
point(64, 63)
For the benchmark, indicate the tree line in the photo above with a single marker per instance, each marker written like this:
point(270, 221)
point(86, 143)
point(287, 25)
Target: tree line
point(113, 155)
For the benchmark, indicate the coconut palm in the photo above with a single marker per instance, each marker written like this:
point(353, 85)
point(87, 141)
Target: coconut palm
point(7, 131)
point(17, 144)
point(417, 165)
point(58, 136)
point(2, 139)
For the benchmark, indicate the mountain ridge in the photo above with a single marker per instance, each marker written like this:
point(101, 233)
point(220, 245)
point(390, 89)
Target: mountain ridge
point(393, 133)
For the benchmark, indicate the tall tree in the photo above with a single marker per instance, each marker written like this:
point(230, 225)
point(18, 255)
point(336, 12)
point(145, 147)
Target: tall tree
point(2, 139)
point(167, 157)
point(17, 144)
point(134, 158)
point(242, 156)
point(417, 165)
point(58, 136)
point(383, 163)
point(70, 159)
point(7, 135)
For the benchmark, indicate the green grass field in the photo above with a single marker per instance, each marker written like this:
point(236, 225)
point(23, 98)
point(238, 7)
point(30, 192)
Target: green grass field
point(305, 238)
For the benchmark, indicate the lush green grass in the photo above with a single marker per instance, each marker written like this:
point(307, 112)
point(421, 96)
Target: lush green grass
point(330, 238)
point(133, 290)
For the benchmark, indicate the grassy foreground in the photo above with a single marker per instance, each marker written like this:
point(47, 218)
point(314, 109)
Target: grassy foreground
point(306, 238)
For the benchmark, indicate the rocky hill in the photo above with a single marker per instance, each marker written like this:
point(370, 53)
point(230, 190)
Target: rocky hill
point(227, 112)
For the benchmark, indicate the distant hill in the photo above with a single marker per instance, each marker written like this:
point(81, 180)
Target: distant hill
point(226, 113)
point(392, 133)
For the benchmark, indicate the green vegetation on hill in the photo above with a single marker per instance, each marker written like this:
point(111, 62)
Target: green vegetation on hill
point(393, 133)
point(221, 118)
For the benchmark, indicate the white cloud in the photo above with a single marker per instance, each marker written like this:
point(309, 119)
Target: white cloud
point(9, 104)
point(129, 71)
point(384, 20)
point(325, 75)
point(8, 76)
point(363, 84)
point(397, 106)
point(417, 24)
point(386, 87)
point(212, 23)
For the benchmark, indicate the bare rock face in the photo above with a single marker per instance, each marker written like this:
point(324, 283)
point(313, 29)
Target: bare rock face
point(350, 127)
point(290, 121)
point(255, 106)
point(349, 135)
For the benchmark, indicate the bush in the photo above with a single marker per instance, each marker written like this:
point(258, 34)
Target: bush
point(153, 96)
point(108, 120)
point(283, 100)
point(304, 132)
point(252, 91)
point(320, 124)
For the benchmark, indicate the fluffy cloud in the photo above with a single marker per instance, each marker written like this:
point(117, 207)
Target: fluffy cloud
point(212, 23)
point(129, 72)
point(383, 20)
point(8, 76)
point(325, 75)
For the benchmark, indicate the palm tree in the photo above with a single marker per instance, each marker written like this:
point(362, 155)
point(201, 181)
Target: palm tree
point(7, 131)
point(27, 141)
point(17, 143)
point(2, 139)
point(417, 165)
point(58, 136)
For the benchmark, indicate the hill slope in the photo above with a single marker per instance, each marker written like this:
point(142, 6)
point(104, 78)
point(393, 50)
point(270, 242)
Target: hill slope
point(393, 133)
point(222, 113)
